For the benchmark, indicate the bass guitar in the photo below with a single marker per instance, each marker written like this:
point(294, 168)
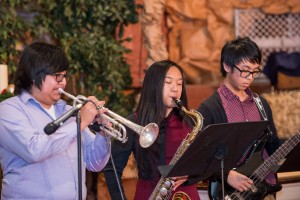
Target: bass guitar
point(260, 188)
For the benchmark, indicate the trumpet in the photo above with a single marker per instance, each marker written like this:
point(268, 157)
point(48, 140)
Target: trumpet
point(147, 134)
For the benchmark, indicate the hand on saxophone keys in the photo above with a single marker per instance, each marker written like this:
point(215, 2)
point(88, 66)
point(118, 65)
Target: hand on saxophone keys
point(179, 180)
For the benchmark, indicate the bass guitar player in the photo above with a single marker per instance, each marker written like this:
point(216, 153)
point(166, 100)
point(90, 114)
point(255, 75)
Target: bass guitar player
point(234, 101)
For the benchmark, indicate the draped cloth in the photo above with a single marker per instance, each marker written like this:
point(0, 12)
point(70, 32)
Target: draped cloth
point(192, 32)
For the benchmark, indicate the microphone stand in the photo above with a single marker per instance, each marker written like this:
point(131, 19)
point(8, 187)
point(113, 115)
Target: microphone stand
point(220, 154)
point(79, 157)
point(222, 170)
point(53, 126)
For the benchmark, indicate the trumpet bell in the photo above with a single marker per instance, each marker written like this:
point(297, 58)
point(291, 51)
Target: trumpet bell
point(148, 135)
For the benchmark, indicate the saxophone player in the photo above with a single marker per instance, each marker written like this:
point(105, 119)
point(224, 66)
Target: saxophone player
point(164, 81)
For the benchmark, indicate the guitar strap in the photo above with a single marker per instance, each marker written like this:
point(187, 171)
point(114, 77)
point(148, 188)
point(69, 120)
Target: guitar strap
point(262, 111)
point(260, 106)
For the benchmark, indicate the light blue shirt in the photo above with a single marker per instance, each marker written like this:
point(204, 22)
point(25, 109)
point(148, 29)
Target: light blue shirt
point(40, 166)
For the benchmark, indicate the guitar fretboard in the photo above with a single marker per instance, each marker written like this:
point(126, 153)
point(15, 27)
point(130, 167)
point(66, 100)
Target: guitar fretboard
point(265, 168)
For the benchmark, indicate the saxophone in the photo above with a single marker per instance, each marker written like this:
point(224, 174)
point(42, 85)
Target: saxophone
point(164, 186)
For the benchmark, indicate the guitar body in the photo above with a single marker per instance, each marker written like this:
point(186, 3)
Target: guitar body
point(253, 161)
point(257, 170)
point(263, 189)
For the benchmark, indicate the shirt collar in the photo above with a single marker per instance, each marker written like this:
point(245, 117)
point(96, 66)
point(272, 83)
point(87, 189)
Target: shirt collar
point(230, 95)
point(27, 98)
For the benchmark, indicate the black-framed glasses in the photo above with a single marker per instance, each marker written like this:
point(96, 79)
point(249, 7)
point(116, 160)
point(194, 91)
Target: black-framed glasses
point(246, 73)
point(60, 77)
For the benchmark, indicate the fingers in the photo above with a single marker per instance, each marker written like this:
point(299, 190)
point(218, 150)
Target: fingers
point(103, 120)
point(180, 177)
point(245, 183)
point(98, 103)
point(239, 181)
point(89, 111)
point(243, 186)
point(179, 180)
point(178, 183)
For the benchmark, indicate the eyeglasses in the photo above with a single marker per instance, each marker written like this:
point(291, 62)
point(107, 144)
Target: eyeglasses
point(246, 73)
point(60, 77)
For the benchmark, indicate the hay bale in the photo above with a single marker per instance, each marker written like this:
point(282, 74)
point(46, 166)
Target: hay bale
point(285, 106)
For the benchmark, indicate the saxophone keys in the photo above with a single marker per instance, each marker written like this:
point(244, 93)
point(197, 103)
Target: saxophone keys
point(163, 192)
point(168, 183)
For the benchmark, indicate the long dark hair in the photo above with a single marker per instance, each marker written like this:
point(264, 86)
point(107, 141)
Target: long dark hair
point(238, 50)
point(38, 60)
point(151, 107)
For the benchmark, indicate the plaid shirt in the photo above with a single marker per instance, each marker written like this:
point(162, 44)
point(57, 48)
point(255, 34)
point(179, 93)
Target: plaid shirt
point(239, 111)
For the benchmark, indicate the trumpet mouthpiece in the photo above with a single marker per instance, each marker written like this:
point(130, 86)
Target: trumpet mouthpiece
point(60, 90)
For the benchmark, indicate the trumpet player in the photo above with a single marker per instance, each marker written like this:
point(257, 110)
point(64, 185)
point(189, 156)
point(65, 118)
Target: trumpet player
point(163, 81)
point(36, 165)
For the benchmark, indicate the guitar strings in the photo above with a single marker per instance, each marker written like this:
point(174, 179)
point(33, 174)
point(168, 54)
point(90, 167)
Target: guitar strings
point(258, 176)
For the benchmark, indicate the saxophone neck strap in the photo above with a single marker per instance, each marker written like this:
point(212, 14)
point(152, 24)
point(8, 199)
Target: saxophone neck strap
point(162, 139)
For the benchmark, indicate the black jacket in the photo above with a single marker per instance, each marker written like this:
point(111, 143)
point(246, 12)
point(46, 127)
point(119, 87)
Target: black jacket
point(213, 112)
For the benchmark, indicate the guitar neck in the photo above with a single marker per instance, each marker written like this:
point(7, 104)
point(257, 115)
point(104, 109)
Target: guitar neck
point(265, 168)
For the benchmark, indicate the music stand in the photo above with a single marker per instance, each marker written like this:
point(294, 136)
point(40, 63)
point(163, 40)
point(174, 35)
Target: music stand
point(199, 158)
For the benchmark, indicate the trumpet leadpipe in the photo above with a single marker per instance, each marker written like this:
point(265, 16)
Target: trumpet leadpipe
point(75, 99)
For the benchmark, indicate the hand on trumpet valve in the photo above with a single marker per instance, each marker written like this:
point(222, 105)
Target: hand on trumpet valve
point(98, 124)
point(89, 111)
point(100, 121)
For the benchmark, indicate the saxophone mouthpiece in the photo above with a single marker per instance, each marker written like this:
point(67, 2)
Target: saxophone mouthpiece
point(178, 102)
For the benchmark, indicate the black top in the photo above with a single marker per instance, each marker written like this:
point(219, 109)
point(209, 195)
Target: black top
point(213, 112)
